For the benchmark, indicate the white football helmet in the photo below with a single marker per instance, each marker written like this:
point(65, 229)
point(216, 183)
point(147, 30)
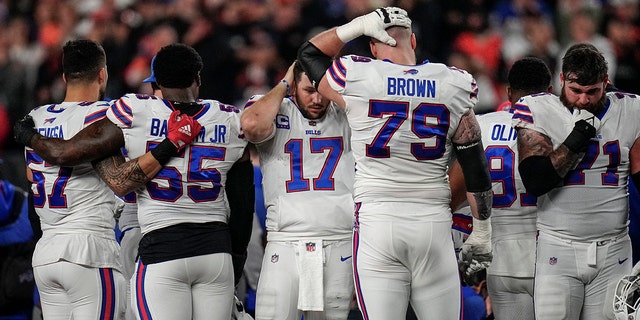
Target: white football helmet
point(626, 301)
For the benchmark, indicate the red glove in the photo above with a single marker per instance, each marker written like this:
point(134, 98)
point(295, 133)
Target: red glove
point(182, 129)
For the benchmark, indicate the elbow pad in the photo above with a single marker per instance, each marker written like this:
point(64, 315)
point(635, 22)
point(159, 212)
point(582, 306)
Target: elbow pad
point(474, 166)
point(314, 62)
point(538, 175)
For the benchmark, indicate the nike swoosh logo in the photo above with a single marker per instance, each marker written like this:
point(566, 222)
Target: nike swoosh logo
point(622, 261)
point(343, 259)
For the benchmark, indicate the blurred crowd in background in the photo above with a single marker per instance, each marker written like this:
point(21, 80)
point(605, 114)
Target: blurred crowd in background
point(247, 45)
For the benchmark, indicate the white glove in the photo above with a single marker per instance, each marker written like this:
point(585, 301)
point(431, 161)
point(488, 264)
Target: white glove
point(118, 207)
point(581, 114)
point(374, 24)
point(476, 251)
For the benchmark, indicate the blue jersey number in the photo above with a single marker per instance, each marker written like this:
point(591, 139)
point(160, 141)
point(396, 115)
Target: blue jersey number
point(56, 198)
point(504, 175)
point(196, 173)
point(399, 112)
point(610, 177)
point(324, 181)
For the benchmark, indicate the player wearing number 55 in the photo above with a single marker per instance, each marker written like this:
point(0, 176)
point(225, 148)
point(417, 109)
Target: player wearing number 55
point(406, 122)
point(185, 267)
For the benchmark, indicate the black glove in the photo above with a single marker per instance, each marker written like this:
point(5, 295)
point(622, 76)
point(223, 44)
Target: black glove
point(238, 260)
point(579, 137)
point(24, 130)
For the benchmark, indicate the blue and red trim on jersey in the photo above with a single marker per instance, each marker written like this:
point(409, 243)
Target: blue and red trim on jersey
point(123, 112)
point(338, 72)
point(523, 113)
point(93, 117)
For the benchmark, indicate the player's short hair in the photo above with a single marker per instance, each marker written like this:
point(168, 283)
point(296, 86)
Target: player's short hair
point(529, 75)
point(82, 60)
point(584, 64)
point(177, 66)
point(297, 71)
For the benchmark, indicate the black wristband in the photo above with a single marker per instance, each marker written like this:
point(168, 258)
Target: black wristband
point(164, 151)
point(579, 137)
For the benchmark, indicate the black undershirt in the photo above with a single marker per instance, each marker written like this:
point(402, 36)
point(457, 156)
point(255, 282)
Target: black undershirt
point(183, 241)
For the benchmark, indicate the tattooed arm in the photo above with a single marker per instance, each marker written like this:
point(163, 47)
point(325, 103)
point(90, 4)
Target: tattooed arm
point(541, 167)
point(123, 176)
point(468, 145)
point(93, 142)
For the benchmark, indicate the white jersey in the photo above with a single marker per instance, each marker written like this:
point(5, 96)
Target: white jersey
point(74, 205)
point(190, 187)
point(308, 171)
point(513, 217)
point(402, 120)
point(593, 202)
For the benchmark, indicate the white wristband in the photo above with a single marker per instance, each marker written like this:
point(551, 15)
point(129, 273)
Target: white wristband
point(350, 31)
point(481, 230)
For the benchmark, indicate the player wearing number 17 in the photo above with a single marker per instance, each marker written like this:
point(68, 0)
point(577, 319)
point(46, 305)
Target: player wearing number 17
point(577, 152)
point(406, 120)
point(305, 153)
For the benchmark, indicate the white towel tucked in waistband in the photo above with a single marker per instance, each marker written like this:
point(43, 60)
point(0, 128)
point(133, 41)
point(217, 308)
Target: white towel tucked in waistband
point(310, 268)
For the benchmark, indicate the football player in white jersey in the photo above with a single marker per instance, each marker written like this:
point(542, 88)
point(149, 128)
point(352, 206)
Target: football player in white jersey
point(513, 218)
point(406, 119)
point(183, 211)
point(75, 263)
point(577, 152)
point(305, 156)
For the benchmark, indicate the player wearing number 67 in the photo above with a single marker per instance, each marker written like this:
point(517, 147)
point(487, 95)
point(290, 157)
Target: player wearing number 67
point(406, 120)
point(305, 156)
point(577, 152)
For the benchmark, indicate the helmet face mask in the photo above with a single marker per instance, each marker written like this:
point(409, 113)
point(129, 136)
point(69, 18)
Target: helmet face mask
point(627, 298)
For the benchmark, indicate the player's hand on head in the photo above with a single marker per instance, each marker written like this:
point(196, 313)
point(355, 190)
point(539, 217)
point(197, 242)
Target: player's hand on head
point(377, 22)
point(182, 129)
point(24, 130)
point(374, 24)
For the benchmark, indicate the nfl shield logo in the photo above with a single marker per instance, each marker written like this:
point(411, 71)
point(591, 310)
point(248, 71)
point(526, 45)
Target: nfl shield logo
point(311, 246)
point(553, 260)
point(275, 258)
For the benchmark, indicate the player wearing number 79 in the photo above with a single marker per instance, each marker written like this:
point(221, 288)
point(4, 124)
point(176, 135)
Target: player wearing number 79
point(577, 152)
point(305, 156)
point(406, 120)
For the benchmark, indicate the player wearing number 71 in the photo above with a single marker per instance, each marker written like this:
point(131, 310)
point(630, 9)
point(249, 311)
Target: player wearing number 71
point(406, 120)
point(577, 152)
